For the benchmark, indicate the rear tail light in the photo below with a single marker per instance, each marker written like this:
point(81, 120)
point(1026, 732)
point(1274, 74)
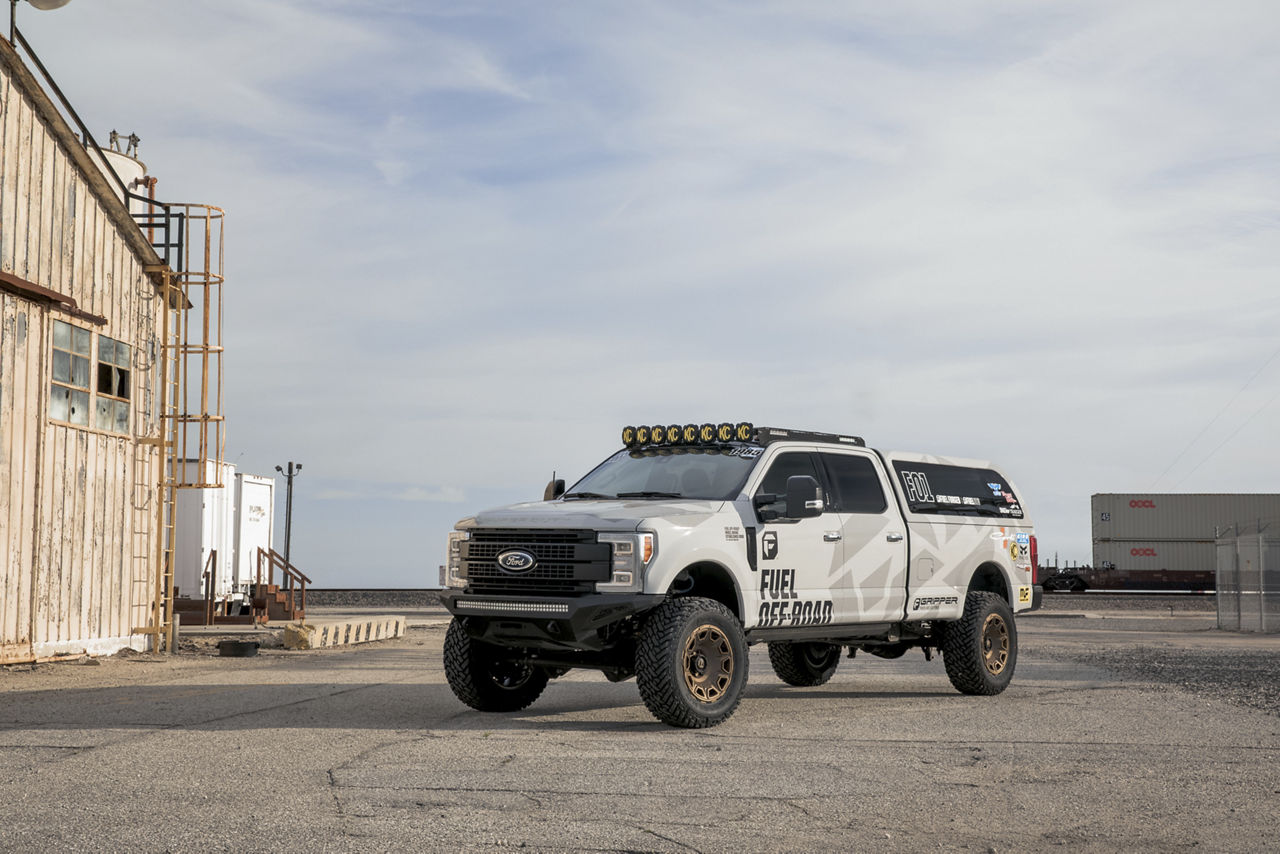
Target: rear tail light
point(1035, 561)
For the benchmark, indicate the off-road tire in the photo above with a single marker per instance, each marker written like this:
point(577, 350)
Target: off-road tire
point(981, 648)
point(804, 664)
point(691, 662)
point(483, 679)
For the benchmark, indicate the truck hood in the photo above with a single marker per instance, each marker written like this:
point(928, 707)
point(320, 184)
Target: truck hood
point(596, 515)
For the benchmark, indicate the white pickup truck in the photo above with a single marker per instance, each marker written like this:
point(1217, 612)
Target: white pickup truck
point(694, 541)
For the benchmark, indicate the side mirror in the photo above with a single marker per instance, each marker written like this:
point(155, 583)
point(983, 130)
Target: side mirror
point(555, 488)
point(804, 497)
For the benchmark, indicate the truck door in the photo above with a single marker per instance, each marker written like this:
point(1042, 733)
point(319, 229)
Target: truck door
point(799, 559)
point(873, 536)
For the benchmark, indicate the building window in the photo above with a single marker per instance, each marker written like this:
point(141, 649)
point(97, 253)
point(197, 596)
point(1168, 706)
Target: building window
point(69, 394)
point(112, 410)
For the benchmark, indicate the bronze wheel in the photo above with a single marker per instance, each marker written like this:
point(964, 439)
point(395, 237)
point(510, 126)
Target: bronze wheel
point(708, 663)
point(980, 649)
point(995, 644)
point(691, 662)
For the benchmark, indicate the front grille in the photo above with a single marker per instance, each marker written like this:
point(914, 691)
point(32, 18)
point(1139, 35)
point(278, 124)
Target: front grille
point(569, 562)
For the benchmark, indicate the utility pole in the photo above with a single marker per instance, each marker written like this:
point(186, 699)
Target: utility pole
point(293, 472)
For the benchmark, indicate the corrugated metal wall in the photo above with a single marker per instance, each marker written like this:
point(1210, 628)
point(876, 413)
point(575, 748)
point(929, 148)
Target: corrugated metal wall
point(76, 504)
point(1171, 532)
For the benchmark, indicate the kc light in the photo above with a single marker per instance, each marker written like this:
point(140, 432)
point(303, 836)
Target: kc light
point(687, 434)
point(455, 575)
point(631, 554)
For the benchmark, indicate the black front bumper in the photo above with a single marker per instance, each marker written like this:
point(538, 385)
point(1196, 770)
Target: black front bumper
point(571, 622)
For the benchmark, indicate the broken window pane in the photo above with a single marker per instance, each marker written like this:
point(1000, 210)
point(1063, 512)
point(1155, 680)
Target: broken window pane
point(60, 403)
point(103, 414)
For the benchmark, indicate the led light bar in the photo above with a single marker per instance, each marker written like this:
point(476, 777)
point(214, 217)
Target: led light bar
point(688, 434)
point(716, 434)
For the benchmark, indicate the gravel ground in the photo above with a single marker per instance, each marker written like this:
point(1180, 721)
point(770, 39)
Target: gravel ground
point(1249, 678)
point(1187, 602)
point(372, 598)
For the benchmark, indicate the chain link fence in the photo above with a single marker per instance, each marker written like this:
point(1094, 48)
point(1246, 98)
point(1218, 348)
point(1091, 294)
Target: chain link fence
point(1248, 580)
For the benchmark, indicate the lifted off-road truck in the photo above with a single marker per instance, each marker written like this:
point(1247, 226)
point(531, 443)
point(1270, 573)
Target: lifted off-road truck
point(694, 541)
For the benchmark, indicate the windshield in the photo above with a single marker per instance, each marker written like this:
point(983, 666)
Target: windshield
point(715, 474)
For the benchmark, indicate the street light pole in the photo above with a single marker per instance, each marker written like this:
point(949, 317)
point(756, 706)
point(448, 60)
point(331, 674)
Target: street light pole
point(293, 472)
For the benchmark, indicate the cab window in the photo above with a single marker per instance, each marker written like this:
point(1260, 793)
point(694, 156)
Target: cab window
point(775, 480)
point(855, 483)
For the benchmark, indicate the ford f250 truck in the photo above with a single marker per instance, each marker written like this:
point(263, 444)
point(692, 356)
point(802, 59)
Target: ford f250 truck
point(695, 541)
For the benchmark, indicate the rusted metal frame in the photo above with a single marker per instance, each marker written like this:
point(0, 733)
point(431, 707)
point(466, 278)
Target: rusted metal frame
point(55, 300)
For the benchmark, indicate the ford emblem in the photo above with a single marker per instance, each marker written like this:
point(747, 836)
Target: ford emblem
point(516, 560)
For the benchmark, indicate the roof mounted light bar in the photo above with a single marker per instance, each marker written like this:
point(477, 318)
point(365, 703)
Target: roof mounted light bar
point(716, 434)
point(765, 435)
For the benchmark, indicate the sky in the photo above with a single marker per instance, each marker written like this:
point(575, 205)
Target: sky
point(468, 242)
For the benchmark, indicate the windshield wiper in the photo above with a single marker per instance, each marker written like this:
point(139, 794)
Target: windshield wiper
point(649, 494)
point(574, 495)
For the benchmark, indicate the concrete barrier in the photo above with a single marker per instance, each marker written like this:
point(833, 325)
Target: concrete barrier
point(315, 635)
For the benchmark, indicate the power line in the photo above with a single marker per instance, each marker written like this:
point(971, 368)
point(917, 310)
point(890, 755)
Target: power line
point(1214, 420)
point(1229, 438)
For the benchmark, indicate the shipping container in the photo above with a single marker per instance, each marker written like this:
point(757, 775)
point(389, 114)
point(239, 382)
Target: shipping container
point(1154, 565)
point(1164, 541)
point(255, 515)
point(1177, 517)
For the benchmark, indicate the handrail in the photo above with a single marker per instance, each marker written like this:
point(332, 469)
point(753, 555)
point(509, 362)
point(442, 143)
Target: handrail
point(292, 580)
point(210, 585)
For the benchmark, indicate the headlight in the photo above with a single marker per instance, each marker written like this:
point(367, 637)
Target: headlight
point(454, 574)
point(631, 554)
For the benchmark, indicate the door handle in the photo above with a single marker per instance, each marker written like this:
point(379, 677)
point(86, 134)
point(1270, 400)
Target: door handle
point(894, 537)
point(831, 537)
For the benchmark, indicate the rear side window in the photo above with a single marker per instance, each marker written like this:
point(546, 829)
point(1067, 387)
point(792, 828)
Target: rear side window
point(856, 483)
point(956, 490)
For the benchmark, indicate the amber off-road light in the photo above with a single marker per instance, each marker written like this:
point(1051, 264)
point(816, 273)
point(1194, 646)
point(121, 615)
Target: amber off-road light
point(679, 435)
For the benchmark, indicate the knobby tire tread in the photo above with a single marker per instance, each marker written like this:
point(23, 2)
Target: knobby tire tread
point(961, 647)
point(790, 666)
point(460, 671)
point(659, 642)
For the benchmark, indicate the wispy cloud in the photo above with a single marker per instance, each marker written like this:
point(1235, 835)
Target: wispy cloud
point(467, 243)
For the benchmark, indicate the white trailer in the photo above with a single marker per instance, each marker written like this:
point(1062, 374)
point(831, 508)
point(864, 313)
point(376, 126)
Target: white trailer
point(255, 514)
point(206, 521)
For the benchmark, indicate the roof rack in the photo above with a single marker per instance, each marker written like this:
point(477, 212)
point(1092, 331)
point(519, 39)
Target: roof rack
point(766, 435)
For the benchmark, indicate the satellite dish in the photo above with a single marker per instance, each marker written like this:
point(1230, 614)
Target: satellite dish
point(46, 5)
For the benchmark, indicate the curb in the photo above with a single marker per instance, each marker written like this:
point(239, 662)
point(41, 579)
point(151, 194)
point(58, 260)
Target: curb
point(342, 632)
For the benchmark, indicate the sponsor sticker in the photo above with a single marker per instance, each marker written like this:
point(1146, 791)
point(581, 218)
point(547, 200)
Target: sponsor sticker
point(1023, 540)
point(1014, 551)
point(1024, 594)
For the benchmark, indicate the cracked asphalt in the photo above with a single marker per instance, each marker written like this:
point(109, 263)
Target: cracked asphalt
point(1097, 746)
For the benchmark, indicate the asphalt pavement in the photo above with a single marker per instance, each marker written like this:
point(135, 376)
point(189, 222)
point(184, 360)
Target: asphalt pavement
point(1095, 746)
